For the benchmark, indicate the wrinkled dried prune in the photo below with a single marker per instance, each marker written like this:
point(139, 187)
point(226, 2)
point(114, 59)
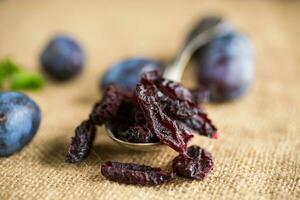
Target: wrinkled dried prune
point(174, 90)
point(139, 134)
point(168, 131)
point(102, 112)
point(130, 124)
point(182, 104)
point(202, 124)
point(107, 107)
point(200, 94)
point(192, 117)
point(139, 117)
point(196, 164)
point(81, 142)
point(177, 108)
point(127, 115)
point(135, 174)
point(131, 114)
point(182, 108)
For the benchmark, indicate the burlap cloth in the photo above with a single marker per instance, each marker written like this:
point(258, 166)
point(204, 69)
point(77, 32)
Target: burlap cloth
point(257, 154)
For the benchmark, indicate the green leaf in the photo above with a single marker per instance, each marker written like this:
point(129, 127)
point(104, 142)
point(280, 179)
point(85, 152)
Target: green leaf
point(7, 68)
point(11, 75)
point(22, 80)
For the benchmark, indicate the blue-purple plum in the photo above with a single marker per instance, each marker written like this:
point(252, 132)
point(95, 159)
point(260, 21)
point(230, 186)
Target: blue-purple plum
point(226, 66)
point(20, 118)
point(62, 59)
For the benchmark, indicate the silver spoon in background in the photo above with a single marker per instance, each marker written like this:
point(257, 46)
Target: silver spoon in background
point(174, 72)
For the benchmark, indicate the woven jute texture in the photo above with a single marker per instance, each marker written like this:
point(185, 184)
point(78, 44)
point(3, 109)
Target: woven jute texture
point(258, 153)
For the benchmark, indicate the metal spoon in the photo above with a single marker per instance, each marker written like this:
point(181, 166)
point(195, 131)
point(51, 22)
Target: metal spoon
point(174, 72)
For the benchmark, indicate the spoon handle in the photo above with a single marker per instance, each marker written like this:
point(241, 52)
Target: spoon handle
point(175, 70)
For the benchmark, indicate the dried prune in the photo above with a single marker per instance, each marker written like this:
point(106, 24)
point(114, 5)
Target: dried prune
point(168, 131)
point(81, 142)
point(131, 114)
point(202, 124)
point(139, 117)
point(176, 108)
point(135, 174)
point(182, 108)
point(104, 110)
point(196, 164)
point(174, 90)
point(159, 111)
point(200, 94)
point(138, 134)
point(107, 107)
point(128, 115)
point(192, 117)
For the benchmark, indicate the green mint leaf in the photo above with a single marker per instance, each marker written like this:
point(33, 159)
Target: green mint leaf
point(7, 68)
point(22, 80)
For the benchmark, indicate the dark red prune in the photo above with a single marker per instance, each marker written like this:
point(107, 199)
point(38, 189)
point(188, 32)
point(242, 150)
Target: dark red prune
point(202, 124)
point(189, 114)
point(138, 134)
point(182, 104)
point(130, 125)
point(200, 94)
point(128, 115)
point(168, 131)
point(131, 114)
point(139, 117)
point(134, 174)
point(177, 108)
point(192, 117)
point(125, 113)
point(81, 142)
point(196, 164)
point(107, 107)
point(174, 90)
